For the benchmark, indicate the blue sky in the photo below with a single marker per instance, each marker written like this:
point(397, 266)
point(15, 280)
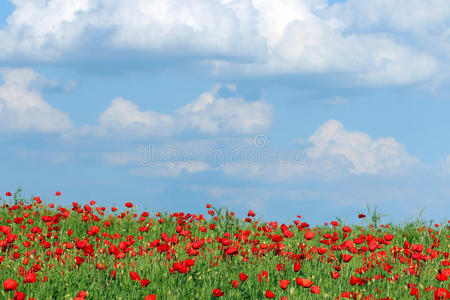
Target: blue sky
point(352, 96)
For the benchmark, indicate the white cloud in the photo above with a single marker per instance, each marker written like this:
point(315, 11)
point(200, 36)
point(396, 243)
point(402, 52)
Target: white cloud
point(210, 114)
point(413, 16)
point(125, 118)
point(22, 107)
point(333, 153)
point(367, 155)
point(375, 42)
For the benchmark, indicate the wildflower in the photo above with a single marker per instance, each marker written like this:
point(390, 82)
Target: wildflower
point(10, 285)
point(270, 294)
point(243, 277)
point(134, 276)
point(218, 293)
point(284, 283)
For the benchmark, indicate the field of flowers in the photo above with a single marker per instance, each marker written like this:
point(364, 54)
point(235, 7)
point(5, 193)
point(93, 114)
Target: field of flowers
point(92, 252)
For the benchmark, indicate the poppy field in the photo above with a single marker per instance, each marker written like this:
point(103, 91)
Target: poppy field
point(87, 251)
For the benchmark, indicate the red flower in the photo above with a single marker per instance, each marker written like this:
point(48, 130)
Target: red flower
point(297, 267)
point(235, 284)
point(284, 283)
point(128, 204)
point(150, 297)
point(361, 216)
point(335, 275)
point(8, 194)
point(346, 257)
point(30, 278)
point(303, 282)
point(276, 238)
point(58, 193)
point(243, 277)
point(10, 285)
point(315, 289)
point(134, 276)
point(388, 237)
point(441, 277)
point(208, 205)
point(441, 294)
point(251, 213)
point(145, 282)
point(270, 294)
point(218, 293)
point(355, 280)
point(19, 296)
point(309, 235)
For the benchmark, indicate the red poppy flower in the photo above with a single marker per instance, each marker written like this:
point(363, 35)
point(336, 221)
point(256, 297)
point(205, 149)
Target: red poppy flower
point(346, 257)
point(218, 293)
point(388, 237)
point(243, 277)
point(10, 285)
point(309, 235)
point(58, 193)
point(335, 275)
point(303, 282)
point(270, 294)
point(19, 296)
point(129, 204)
point(441, 294)
point(8, 194)
point(134, 276)
point(150, 297)
point(356, 281)
point(30, 278)
point(144, 282)
point(284, 283)
point(315, 289)
point(442, 277)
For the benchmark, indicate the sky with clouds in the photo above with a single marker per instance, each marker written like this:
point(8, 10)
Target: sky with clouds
point(286, 107)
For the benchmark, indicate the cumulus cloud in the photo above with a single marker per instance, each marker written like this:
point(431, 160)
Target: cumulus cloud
point(374, 42)
point(367, 155)
point(333, 152)
point(123, 117)
point(22, 107)
point(210, 114)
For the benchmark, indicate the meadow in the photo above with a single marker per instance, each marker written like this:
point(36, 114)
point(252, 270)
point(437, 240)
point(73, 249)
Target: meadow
point(86, 251)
